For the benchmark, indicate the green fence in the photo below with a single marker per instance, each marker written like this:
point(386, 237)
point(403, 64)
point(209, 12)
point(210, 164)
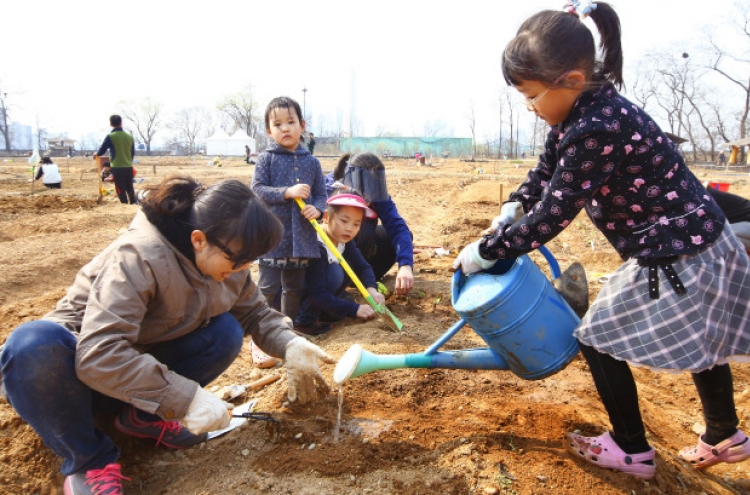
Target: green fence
point(407, 146)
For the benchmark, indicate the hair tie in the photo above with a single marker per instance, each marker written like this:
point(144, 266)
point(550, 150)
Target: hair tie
point(198, 190)
point(580, 8)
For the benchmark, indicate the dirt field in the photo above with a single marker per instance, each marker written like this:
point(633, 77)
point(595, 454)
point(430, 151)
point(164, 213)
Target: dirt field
point(402, 431)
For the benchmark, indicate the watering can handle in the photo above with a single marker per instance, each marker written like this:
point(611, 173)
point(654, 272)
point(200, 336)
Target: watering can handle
point(459, 278)
point(554, 266)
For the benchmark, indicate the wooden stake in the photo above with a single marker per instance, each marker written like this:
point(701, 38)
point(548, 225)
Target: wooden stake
point(266, 380)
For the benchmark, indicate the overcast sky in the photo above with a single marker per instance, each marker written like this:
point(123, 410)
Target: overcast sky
point(395, 64)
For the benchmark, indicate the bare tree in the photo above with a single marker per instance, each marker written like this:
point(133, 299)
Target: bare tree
point(5, 117)
point(538, 132)
point(242, 110)
point(642, 90)
point(189, 124)
point(434, 128)
point(734, 63)
point(88, 142)
point(145, 116)
point(509, 101)
point(472, 126)
point(500, 107)
point(674, 84)
point(719, 120)
point(41, 135)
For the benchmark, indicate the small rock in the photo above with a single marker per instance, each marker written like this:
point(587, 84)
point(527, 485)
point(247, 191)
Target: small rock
point(699, 428)
point(491, 490)
point(365, 440)
point(245, 452)
point(312, 446)
point(298, 436)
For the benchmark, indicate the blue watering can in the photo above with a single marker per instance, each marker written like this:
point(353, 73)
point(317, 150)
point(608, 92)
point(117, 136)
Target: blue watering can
point(513, 307)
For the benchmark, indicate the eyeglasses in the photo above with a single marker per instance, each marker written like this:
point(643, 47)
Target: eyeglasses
point(531, 102)
point(231, 256)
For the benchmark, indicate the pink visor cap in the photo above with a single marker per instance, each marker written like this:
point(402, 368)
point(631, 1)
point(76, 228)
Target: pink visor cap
point(351, 200)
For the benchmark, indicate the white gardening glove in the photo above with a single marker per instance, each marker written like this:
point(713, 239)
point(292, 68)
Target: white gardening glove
point(303, 374)
point(470, 261)
point(510, 213)
point(206, 412)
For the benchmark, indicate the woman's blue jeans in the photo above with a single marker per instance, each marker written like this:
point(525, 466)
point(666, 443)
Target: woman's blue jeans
point(38, 365)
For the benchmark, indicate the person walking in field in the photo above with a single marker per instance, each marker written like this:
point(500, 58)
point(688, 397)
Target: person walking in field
point(679, 302)
point(121, 149)
point(311, 143)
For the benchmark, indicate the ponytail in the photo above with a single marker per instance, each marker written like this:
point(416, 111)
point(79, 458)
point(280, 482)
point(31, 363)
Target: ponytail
point(172, 197)
point(338, 172)
point(552, 42)
point(608, 24)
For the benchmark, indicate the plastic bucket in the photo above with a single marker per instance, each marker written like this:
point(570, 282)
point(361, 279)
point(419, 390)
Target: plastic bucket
point(721, 186)
point(515, 309)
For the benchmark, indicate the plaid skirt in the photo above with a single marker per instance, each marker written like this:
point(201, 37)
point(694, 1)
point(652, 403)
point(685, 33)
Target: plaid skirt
point(690, 332)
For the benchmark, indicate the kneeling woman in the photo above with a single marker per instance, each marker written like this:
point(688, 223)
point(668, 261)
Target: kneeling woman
point(149, 322)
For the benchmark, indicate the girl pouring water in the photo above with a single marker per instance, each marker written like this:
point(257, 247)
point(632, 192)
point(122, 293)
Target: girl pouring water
point(679, 302)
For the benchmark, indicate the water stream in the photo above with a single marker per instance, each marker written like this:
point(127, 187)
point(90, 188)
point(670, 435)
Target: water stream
point(338, 417)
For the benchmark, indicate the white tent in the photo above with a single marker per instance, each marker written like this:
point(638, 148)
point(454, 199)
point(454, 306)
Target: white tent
point(240, 139)
point(223, 144)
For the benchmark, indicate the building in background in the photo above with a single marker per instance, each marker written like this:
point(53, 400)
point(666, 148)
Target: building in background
point(61, 145)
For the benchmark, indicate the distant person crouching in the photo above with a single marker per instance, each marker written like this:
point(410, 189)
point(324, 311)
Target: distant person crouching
point(49, 173)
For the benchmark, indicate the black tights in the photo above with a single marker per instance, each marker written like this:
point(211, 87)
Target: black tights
point(617, 389)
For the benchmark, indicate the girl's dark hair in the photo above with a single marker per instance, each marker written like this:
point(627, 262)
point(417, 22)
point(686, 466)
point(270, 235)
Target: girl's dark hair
point(228, 212)
point(282, 102)
point(46, 159)
point(367, 161)
point(550, 43)
point(339, 187)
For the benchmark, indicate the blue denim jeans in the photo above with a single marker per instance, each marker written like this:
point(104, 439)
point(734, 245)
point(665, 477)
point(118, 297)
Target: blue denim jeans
point(38, 366)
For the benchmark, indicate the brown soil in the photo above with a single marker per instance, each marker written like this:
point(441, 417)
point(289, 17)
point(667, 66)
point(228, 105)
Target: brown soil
point(404, 431)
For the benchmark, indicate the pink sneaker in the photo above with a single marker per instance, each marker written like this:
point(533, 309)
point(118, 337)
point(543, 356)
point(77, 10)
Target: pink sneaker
point(734, 449)
point(604, 452)
point(168, 433)
point(105, 481)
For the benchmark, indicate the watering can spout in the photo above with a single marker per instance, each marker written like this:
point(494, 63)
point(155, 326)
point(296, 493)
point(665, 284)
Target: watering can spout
point(356, 361)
